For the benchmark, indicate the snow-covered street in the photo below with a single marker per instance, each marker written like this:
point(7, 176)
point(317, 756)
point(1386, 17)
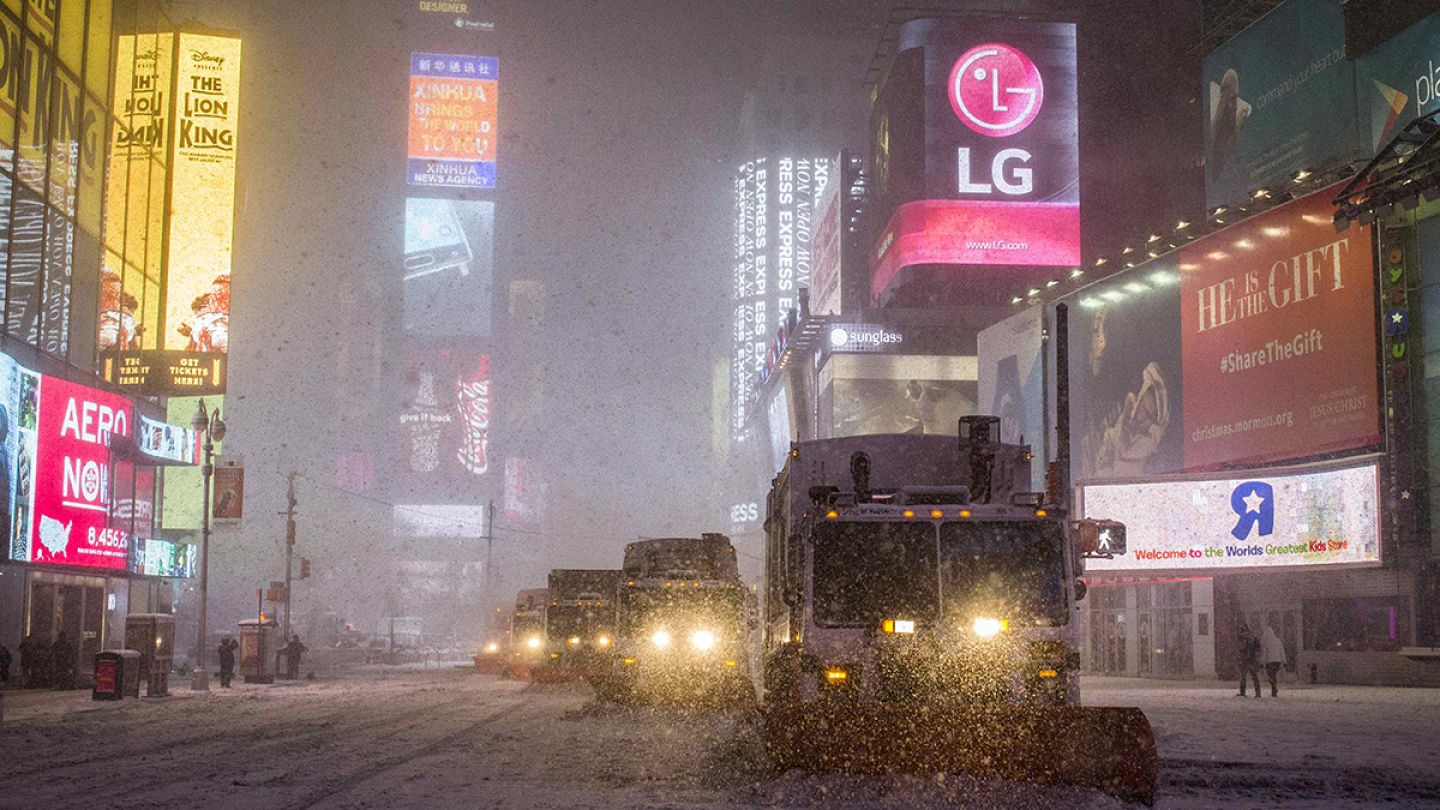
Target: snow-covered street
point(447, 737)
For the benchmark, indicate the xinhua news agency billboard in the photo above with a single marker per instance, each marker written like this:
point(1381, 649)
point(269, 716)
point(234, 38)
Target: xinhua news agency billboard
point(1280, 519)
point(453, 105)
point(1000, 179)
point(1253, 346)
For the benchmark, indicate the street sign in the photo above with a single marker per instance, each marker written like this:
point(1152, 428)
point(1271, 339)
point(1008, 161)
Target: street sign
point(276, 592)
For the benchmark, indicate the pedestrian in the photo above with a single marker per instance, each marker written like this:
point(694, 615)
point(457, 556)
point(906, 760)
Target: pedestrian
point(28, 652)
point(293, 651)
point(1247, 647)
point(4, 665)
point(62, 662)
point(1272, 651)
point(227, 661)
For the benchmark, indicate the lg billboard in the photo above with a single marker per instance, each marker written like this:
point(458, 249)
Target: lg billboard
point(998, 184)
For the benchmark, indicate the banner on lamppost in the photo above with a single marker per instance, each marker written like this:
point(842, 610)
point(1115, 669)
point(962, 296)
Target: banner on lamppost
point(227, 505)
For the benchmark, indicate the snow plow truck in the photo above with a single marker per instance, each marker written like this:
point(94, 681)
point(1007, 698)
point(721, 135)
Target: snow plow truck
point(920, 616)
point(685, 625)
point(527, 631)
point(579, 624)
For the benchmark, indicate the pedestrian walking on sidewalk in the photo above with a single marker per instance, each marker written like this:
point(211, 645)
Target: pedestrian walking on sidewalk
point(32, 665)
point(1247, 647)
point(295, 649)
point(1272, 650)
point(227, 661)
point(62, 662)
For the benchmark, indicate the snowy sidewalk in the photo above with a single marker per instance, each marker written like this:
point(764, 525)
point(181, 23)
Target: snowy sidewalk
point(1335, 745)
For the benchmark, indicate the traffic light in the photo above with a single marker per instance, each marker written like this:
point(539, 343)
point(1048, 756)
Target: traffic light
point(304, 568)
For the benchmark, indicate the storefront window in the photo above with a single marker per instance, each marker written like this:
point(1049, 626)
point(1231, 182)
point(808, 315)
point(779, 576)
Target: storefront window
point(1377, 623)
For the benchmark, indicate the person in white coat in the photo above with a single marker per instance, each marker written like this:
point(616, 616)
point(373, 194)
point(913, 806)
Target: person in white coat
point(1272, 652)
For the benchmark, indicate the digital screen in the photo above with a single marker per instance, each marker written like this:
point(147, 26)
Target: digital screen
point(1011, 382)
point(525, 491)
point(202, 189)
point(1254, 345)
point(71, 471)
point(1296, 519)
point(448, 266)
point(441, 520)
point(163, 440)
point(999, 182)
point(162, 558)
point(774, 258)
point(446, 416)
point(453, 102)
point(865, 407)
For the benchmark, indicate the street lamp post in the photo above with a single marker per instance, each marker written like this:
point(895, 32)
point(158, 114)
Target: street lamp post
point(214, 428)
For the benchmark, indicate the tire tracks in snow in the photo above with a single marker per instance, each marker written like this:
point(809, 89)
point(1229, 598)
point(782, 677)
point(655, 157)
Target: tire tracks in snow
point(374, 768)
point(1267, 781)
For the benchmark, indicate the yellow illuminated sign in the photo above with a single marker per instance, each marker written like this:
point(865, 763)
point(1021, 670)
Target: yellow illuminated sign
point(202, 188)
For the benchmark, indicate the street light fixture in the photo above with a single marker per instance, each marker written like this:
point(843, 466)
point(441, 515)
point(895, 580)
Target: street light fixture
point(213, 427)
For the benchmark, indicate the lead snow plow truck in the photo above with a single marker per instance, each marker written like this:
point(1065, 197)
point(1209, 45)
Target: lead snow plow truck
point(920, 616)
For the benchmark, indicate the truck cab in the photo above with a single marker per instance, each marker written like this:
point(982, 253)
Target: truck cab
point(908, 568)
point(684, 624)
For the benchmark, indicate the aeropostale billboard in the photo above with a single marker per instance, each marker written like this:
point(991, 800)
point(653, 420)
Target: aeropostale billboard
point(1001, 168)
point(1251, 346)
point(1288, 519)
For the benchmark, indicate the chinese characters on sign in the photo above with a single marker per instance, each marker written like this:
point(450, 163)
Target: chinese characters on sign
point(453, 102)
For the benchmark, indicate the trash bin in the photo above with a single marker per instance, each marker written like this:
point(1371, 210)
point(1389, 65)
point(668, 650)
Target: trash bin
point(258, 647)
point(153, 636)
point(117, 675)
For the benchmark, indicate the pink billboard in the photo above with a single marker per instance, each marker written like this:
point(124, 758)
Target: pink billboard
point(72, 476)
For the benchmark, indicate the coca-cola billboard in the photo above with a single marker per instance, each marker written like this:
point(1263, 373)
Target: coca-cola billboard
point(445, 418)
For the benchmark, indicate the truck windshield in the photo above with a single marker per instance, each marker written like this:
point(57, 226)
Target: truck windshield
point(564, 621)
point(869, 571)
point(719, 609)
point(1012, 570)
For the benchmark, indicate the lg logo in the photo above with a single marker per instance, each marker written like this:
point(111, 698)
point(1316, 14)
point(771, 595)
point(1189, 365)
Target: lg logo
point(996, 91)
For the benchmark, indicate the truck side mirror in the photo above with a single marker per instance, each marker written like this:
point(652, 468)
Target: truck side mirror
point(1080, 589)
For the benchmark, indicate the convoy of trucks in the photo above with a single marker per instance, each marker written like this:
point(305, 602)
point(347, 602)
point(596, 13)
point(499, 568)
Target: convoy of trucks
point(919, 614)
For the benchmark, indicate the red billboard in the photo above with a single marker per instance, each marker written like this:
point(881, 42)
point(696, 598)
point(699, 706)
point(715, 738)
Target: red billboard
point(1278, 326)
point(72, 476)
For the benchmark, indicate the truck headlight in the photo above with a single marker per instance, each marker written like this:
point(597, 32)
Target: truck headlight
point(492, 647)
point(603, 641)
point(533, 642)
point(702, 640)
point(574, 641)
point(660, 638)
point(986, 627)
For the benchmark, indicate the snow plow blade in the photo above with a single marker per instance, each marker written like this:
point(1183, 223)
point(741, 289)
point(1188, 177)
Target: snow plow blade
point(549, 673)
point(1111, 749)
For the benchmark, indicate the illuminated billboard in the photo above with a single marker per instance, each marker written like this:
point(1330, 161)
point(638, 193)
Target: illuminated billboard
point(1253, 345)
point(1012, 385)
point(999, 179)
point(1259, 521)
point(166, 442)
point(442, 520)
point(525, 491)
point(55, 470)
point(446, 416)
point(202, 194)
point(449, 266)
point(453, 103)
point(774, 244)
